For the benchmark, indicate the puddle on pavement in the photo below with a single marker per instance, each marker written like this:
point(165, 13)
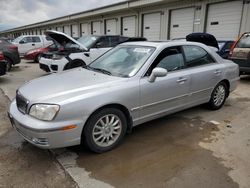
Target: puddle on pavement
point(161, 153)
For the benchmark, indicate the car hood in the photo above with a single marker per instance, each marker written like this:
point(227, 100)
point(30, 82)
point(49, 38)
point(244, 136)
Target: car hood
point(203, 38)
point(63, 38)
point(61, 86)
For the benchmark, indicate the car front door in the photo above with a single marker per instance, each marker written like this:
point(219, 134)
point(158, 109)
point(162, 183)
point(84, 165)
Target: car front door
point(205, 73)
point(166, 94)
point(25, 45)
point(36, 42)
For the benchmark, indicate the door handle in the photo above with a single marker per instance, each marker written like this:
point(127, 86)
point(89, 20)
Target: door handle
point(33, 44)
point(217, 72)
point(87, 54)
point(181, 80)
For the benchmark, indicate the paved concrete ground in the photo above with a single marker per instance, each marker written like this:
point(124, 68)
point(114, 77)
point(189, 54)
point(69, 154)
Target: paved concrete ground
point(193, 148)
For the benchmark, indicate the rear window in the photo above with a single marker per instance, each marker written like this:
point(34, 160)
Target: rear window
point(244, 42)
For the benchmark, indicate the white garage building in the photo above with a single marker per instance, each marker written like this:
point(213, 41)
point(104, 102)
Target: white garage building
point(153, 19)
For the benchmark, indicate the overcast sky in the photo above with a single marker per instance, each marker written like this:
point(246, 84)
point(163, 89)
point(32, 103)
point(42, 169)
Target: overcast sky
point(14, 13)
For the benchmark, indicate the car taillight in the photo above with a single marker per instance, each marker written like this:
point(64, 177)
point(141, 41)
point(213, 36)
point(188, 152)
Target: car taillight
point(13, 47)
point(1, 56)
point(234, 45)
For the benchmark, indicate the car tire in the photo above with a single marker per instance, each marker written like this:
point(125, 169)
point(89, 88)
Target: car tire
point(218, 96)
point(105, 130)
point(37, 58)
point(9, 64)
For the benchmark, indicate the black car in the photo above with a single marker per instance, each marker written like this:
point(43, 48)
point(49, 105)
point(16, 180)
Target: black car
point(2, 64)
point(225, 47)
point(10, 52)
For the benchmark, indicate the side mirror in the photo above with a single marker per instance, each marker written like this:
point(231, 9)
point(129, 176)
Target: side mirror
point(157, 72)
point(21, 42)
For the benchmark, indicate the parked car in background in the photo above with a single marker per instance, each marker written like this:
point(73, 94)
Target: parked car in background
point(36, 54)
point(10, 52)
point(2, 64)
point(30, 42)
point(98, 104)
point(240, 53)
point(225, 47)
point(79, 52)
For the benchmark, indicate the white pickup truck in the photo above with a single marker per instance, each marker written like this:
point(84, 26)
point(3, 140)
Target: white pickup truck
point(30, 42)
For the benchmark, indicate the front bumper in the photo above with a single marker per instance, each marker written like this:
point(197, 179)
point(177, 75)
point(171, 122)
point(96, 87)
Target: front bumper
point(54, 66)
point(47, 135)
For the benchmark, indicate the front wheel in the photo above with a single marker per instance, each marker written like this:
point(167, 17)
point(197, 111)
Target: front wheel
point(218, 96)
point(9, 64)
point(105, 130)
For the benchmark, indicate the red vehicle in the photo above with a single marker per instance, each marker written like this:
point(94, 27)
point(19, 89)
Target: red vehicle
point(37, 53)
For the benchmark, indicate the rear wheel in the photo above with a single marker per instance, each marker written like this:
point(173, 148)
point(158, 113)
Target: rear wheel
point(218, 96)
point(105, 130)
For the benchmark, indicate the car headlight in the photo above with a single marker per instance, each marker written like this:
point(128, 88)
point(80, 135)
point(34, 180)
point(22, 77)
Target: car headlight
point(57, 57)
point(45, 112)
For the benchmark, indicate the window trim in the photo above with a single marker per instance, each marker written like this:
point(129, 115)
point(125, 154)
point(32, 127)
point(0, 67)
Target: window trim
point(182, 52)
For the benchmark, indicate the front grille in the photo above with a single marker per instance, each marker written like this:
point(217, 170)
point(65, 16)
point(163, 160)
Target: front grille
point(44, 67)
point(54, 67)
point(22, 103)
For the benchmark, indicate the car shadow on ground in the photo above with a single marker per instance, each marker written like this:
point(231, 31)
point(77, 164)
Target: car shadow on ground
point(160, 153)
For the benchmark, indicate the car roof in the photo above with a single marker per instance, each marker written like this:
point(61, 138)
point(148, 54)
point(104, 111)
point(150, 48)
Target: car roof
point(163, 44)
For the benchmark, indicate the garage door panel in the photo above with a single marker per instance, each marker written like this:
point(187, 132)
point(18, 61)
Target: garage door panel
point(182, 22)
point(152, 26)
point(84, 29)
point(111, 27)
point(75, 30)
point(67, 30)
point(129, 26)
point(96, 28)
point(223, 19)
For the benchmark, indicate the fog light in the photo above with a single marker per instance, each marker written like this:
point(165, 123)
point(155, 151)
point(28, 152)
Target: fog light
point(40, 141)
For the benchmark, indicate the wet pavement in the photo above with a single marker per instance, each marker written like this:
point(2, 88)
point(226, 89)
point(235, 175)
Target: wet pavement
point(193, 148)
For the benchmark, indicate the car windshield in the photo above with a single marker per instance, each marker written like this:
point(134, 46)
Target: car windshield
point(221, 44)
point(244, 41)
point(16, 40)
point(87, 41)
point(122, 61)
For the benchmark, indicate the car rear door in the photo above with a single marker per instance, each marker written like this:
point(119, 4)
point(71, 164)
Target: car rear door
point(205, 73)
point(37, 42)
point(165, 94)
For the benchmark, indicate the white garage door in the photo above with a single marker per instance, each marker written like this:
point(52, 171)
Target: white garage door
point(111, 27)
point(128, 26)
point(182, 22)
point(96, 28)
point(223, 20)
point(59, 29)
point(75, 31)
point(152, 26)
point(84, 29)
point(66, 30)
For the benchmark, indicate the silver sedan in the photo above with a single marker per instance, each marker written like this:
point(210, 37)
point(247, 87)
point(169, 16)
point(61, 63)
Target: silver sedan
point(131, 84)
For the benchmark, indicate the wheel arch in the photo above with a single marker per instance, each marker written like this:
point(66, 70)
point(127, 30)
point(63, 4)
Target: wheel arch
point(227, 84)
point(120, 107)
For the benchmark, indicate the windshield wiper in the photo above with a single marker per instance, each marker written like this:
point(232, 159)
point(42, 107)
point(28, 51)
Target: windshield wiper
point(99, 70)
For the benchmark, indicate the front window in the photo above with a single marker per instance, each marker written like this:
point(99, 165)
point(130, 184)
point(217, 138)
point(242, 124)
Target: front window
point(87, 41)
point(123, 61)
point(244, 41)
point(221, 44)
